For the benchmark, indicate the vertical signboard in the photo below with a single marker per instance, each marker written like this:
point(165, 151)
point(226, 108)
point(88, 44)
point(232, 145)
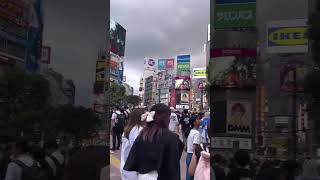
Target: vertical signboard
point(170, 64)
point(162, 64)
point(183, 63)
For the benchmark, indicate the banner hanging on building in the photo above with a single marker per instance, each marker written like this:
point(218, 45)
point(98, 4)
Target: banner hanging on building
point(239, 117)
point(183, 63)
point(239, 15)
point(287, 36)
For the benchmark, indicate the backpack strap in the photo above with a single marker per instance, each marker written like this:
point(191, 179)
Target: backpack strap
point(55, 160)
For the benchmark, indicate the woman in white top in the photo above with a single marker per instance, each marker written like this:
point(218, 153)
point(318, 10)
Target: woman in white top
point(131, 131)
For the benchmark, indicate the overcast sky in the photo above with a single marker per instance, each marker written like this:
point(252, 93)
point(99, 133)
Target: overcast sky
point(155, 28)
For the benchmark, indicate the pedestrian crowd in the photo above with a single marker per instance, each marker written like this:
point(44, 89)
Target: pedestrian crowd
point(24, 160)
point(153, 142)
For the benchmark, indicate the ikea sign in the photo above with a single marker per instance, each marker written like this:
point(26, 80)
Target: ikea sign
point(287, 36)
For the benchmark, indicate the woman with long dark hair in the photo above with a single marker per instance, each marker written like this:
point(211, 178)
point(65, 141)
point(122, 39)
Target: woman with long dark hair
point(131, 132)
point(157, 151)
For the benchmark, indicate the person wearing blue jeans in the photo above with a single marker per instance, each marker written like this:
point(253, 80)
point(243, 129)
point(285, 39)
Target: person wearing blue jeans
point(192, 141)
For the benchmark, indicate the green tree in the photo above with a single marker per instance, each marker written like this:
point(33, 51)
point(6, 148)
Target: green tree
point(23, 97)
point(132, 100)
point(116, 94)
point(68, 120)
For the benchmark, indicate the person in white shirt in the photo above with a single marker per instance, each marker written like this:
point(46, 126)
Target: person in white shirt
point(131, 132)
point(193, 141)
point(22, 155)
point(174, 122)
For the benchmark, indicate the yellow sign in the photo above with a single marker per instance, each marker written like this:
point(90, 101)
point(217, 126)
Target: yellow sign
point(100, 70)
point(287, 36)
point(199, 73)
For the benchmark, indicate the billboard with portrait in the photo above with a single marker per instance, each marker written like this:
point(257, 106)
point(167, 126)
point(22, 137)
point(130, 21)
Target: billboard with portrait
point(183, 83)
point(117, 38)
point(239, 117)
point(184, 98)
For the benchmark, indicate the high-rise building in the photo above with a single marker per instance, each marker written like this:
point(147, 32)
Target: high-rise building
point(21, 27)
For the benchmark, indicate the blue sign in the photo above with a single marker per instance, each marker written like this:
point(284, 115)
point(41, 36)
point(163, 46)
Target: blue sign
point(183, 59)
point(35, 38)
point(162, 64)
point(234, 1)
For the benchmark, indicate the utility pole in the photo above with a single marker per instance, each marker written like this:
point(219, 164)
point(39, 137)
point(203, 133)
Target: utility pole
point(294, 113)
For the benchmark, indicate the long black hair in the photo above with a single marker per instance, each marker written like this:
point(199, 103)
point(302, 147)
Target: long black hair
point(160, 122)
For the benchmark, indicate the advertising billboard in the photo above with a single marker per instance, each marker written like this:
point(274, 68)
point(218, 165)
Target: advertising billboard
point(199, 73)
point(149, 64)
point(239, 117)
point(287, 36)
point(238, 15)
point(287, 80)
point(183, 63)
point(170, 64)
point(233, 72)
point(117, 38)
point(162, 64)
point(183, 83)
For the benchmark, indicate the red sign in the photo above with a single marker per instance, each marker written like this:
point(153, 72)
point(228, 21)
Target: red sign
point(173, 100)
point(170, 64)
point(242, 52)
point(46, 54)
point(13, 10)
point(113, 65)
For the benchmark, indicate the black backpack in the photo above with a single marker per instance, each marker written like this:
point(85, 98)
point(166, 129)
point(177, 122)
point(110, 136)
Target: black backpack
point(121, 120)
point(59, 168)
point(32, 173)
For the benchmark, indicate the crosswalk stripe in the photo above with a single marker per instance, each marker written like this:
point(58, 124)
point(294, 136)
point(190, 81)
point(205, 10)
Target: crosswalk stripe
point(115, 162)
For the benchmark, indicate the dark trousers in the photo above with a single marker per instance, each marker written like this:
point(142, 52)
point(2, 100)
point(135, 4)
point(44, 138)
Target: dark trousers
point(116, 136)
